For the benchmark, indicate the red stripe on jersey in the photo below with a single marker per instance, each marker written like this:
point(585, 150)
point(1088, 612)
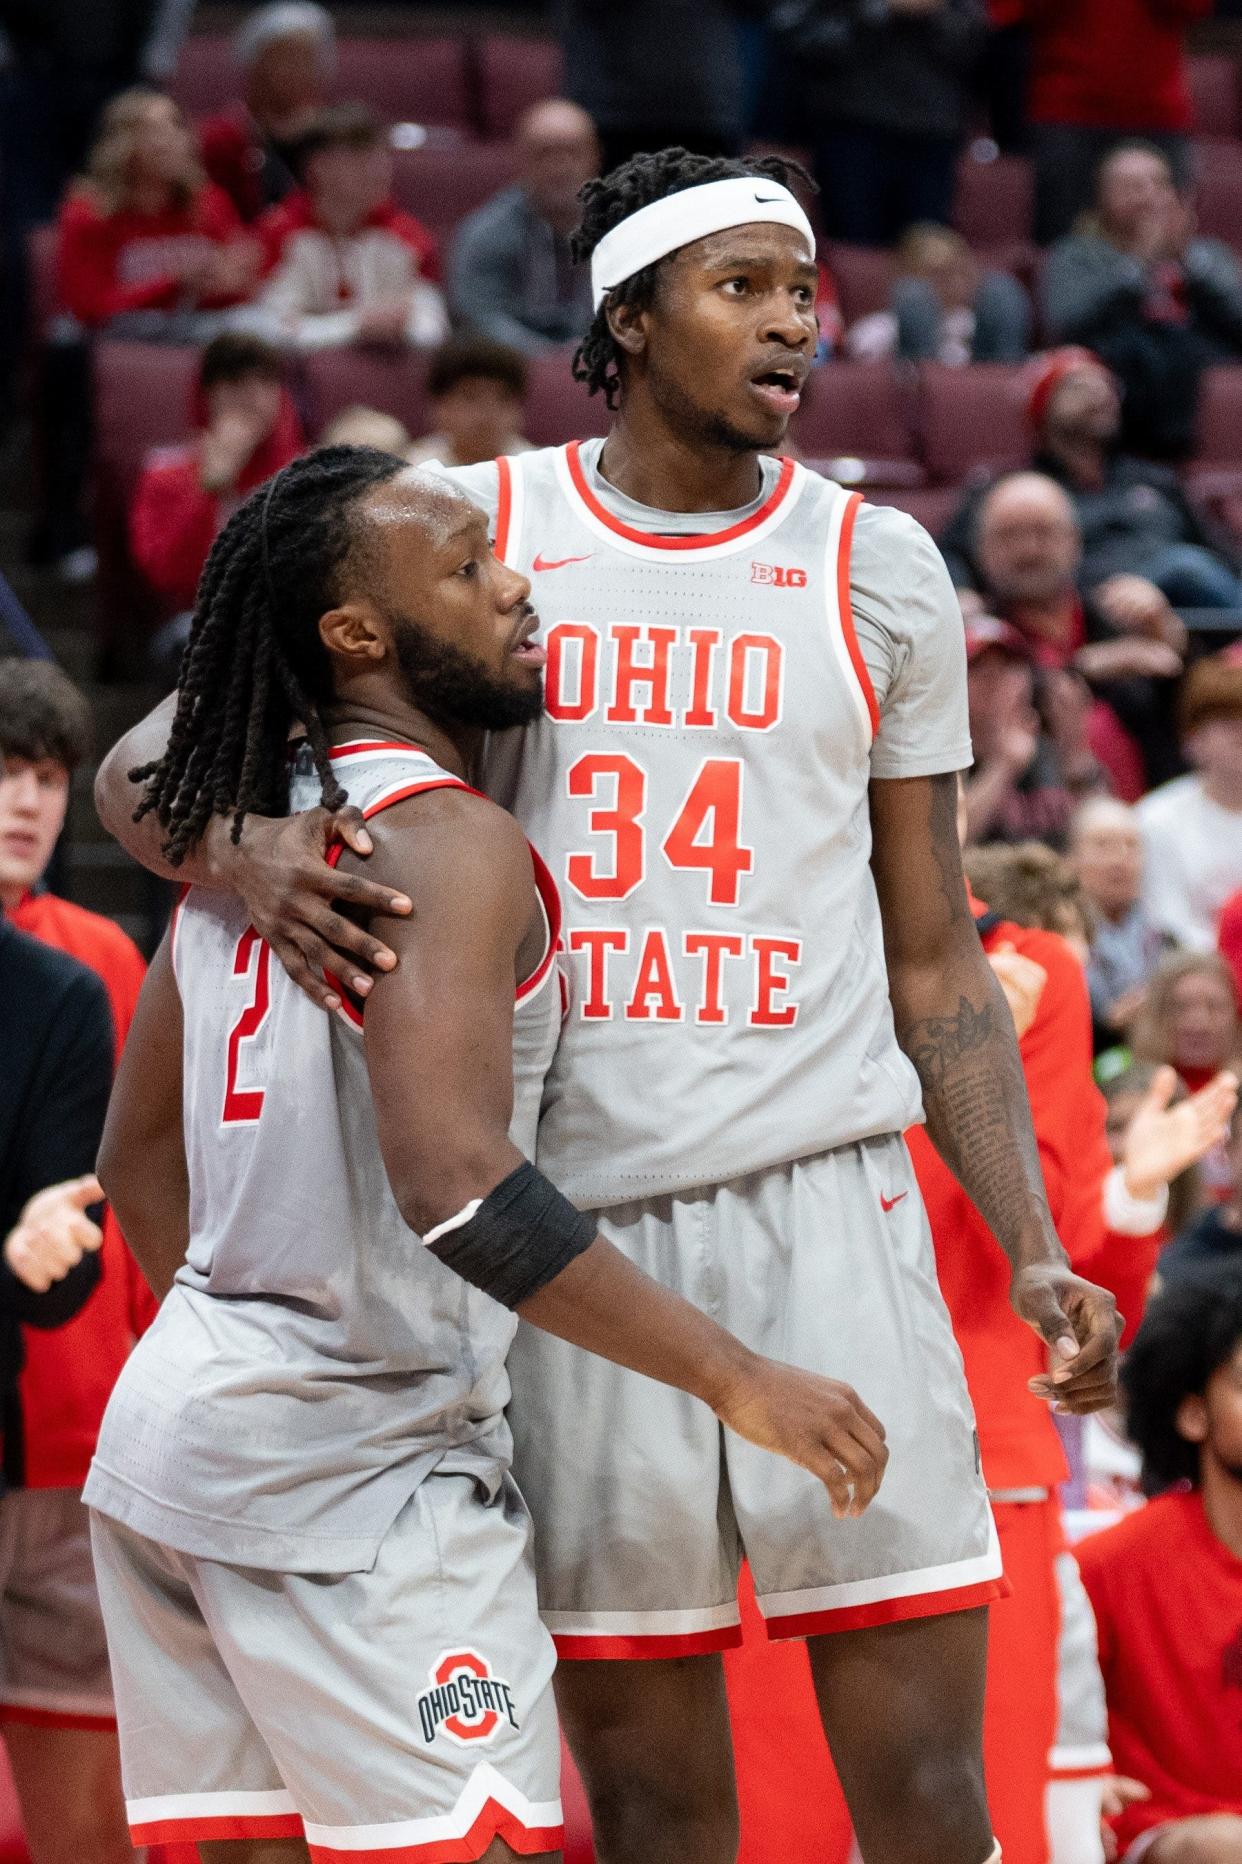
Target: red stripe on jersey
point(888, 1611)
point(671, 1644)
point(504, 508)
point(550, 894)
point(493, 1822)
point(654, 542)
point(225, 1826)
point(371, 746)
point(847, 613)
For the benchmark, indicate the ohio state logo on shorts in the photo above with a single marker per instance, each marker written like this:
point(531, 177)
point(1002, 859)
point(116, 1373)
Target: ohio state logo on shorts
point(465, 1700)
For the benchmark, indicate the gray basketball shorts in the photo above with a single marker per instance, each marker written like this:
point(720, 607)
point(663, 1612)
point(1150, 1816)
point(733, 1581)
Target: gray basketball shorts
point(403, 1712)
point(53, 1653)
point(1081, 1750)
point(644, 1506)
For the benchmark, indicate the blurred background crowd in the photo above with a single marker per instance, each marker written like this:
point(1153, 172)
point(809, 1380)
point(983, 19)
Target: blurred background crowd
point(230, 233)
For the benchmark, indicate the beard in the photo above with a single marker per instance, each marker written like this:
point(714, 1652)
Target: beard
point(455, 689)
point(709, 428)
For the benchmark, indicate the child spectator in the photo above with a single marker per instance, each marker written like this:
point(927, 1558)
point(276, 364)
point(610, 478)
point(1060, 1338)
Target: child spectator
point(1155, 302)
point(1106, 852)
point(1172, 1659)
point(1192, 826)
point(347, 265)
point(945, 307)
point(360, 426)
point(144, 231)
point(247, 429)
point(286, 53)
point(477, 388)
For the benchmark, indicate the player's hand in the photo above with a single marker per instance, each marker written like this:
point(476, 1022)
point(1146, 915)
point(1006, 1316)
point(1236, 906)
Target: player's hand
point(281, 872)
point(817, 1422)
point(1162, 1141)
point(1081, 1326)
point(54, 1232)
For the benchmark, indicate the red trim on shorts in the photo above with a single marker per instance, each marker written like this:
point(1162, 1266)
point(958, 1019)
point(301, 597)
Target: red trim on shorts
point(649, 538)
point(55, 1718)
point(672, 1644)
point(847, 613)
point(224, 1826)
point(504, 507)
point(889, 1611)
point(494, 1821)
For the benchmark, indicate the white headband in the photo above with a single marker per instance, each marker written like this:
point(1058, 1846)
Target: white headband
point(692, 213)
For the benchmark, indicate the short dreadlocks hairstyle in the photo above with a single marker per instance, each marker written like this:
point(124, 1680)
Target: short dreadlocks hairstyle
point(254, 665)
point(612, 198)
point(1190, 1330)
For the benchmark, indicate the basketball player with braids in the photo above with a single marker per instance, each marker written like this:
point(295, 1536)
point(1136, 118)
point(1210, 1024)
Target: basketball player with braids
point(312, 1560)
point(745, 780)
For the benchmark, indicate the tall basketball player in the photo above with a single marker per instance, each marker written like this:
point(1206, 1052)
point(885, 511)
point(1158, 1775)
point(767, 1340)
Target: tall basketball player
point(313, 1564)
point(746, 780)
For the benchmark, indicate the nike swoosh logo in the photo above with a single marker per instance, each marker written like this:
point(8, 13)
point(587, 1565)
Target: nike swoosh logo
point(558, 563)
point(765, 199)
point(891, 1203)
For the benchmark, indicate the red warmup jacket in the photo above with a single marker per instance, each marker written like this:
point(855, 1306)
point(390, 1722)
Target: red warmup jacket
point(69, 1372)
point(173, 519)
point(1017, 1436)
point(296, 214)
point(111, 263)
point(1111, 64)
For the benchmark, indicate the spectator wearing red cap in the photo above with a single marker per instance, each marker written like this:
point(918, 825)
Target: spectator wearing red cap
point(1028, 547)
point(1135, 516)
point(1101, 71)
point(247, 429)
point(1156, 303)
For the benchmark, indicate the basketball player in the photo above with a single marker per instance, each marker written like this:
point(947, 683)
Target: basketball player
point(746, 778)
point(312, 1561)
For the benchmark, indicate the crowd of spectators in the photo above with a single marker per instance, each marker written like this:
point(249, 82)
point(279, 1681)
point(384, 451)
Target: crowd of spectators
point(1098, 579)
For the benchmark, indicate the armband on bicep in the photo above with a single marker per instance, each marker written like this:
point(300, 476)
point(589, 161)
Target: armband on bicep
point(514, 1241)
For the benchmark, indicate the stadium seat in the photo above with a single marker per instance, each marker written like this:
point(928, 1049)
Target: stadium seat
point(394, 381)
point(931, 505)
point(971, 418)
point(514, 73)
point(863, 276)
point(993, 202)
point(1220, 418)
point(860, 409)
point(206, 77)
point(410, 79)
point(1218, 189)
point(442, 185)
point(558, 408)
point(1214, 93)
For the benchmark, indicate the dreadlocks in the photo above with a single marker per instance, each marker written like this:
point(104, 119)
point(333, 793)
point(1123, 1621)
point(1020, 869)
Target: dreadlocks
point(611, 199)
point(255, 665)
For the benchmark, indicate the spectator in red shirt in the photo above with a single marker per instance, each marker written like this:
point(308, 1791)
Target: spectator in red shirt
point(247, 429)
point(1101, 71)
point(346, 264)
point(67, 1375)
point(287, 53)
point(1166, 1582)
point(144, 236)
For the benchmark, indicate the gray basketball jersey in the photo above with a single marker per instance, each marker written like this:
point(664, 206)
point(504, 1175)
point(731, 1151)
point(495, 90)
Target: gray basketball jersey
point(701, 783)
point(313, 1361)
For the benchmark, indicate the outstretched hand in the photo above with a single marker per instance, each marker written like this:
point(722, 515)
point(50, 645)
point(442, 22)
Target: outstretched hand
point(1081, 1327)
point(293, 896)
point(1162, 1140)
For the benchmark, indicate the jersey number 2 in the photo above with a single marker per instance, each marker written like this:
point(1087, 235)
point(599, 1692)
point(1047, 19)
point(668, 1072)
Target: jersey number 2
point(242, 1106)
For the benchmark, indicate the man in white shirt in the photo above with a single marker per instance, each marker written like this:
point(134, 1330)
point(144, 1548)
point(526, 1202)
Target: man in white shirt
point(1192, 827)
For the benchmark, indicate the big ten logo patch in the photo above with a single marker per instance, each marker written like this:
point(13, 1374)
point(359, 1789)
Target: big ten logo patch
point(777, 576)
point(464, 1700)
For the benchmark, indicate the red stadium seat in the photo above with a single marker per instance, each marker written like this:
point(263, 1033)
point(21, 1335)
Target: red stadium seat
point(513, 74)
point(863, 276)
point(411, 79)
point(442, 185)
point(993, 203)
point(1218, 189)
point(44, 287)
point(558, 408)
point(371, 378)
point(972, 417)
point(859, 409)
point(932, 505)
point(1220, 418)
point(1214, 93)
